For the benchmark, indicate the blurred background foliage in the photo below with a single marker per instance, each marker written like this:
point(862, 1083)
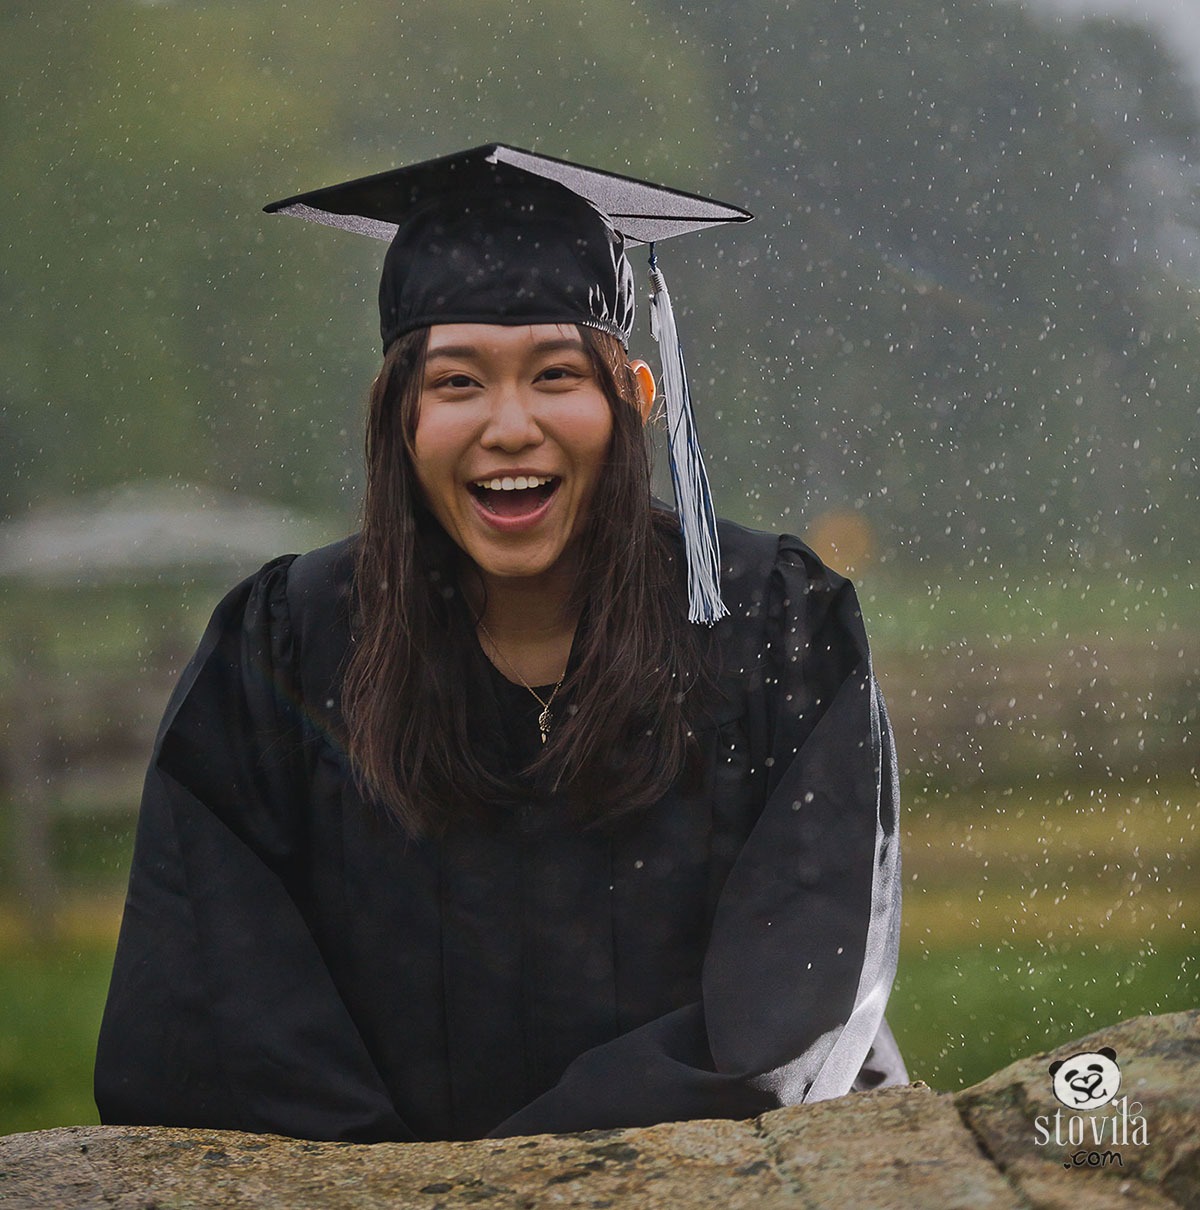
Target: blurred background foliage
point(956, 350)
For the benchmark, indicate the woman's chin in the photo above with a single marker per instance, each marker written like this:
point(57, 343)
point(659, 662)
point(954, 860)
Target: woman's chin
point(534, 559)
point(531, 569)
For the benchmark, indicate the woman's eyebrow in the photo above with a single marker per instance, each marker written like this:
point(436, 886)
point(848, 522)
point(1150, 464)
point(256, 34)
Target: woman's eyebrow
point(563, 344)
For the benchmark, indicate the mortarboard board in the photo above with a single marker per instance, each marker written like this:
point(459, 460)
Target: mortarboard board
point(501, 235)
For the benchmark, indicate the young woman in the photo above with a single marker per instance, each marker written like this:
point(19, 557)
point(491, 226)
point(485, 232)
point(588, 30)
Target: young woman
point(460, 827)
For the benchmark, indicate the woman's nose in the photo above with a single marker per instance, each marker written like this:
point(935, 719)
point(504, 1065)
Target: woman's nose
point(512, 422)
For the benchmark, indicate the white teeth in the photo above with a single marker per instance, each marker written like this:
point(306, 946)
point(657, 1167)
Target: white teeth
point(519, 484)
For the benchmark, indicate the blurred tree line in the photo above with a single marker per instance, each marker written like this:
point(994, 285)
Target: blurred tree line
point(966, 309)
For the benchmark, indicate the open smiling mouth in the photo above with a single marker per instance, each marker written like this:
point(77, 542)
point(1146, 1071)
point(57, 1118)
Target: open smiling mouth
point(514, 497)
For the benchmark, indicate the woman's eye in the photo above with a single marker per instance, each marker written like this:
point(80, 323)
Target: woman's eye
point(457, 382)
point(558, 374)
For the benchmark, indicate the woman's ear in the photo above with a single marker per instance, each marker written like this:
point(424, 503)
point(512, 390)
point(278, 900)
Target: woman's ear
point(647, 390)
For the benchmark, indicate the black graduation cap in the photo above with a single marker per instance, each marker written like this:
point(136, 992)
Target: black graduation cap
point(501, 235)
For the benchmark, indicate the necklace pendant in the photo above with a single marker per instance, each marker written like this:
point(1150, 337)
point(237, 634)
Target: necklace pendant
point(544, 723)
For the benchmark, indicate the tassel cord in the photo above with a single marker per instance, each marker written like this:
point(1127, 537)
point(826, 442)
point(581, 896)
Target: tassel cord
point(693, 496)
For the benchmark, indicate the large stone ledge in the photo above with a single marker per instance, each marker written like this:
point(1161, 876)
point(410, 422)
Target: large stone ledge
point(899, 1147)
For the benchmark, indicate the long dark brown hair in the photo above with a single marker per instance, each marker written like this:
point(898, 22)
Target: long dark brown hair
point(625, 735)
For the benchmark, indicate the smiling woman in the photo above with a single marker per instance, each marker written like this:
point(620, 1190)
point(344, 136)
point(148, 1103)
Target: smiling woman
point(498, 407)
point(460, 827)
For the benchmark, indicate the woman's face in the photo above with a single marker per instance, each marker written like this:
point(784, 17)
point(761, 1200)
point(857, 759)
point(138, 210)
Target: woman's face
point(512, 434)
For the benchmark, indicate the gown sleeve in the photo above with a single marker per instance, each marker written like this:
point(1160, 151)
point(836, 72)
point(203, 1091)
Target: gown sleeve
point(221, 1011)
point(805, 937)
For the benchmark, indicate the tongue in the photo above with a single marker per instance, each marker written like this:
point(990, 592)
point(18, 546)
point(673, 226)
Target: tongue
point(513, 504)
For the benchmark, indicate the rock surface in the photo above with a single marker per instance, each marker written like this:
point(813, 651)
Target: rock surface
point(898, 1147)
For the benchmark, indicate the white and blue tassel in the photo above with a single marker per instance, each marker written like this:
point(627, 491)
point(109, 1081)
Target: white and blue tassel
point(693, 499)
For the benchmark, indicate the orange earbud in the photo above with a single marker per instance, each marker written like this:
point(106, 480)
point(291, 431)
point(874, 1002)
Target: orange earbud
point(647, 387)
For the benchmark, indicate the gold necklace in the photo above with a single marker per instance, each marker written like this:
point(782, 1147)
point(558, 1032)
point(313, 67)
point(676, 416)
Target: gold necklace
point(545, 718)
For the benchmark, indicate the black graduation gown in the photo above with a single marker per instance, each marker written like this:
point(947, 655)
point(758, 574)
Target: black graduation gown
point(290, 962)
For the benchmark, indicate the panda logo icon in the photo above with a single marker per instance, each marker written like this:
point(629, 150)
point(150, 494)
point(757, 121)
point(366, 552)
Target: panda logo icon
point(1087, 1080)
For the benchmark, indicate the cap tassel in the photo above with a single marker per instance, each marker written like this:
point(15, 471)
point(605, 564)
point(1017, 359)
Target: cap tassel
point(693, 497)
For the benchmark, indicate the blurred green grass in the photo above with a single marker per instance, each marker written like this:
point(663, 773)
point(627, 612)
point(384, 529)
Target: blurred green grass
point(50, 1004)
point(1028, 605)
point(1036, 915)
point(962, 1012)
